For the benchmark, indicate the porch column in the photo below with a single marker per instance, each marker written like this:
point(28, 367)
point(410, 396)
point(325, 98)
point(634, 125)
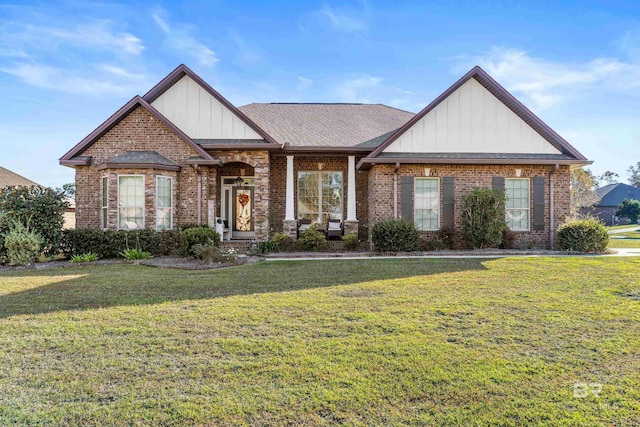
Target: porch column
point(289, 225)
point(351, 223)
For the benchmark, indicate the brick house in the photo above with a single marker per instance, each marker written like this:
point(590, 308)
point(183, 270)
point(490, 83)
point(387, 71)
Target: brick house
point(609, 199)
point(184, 154)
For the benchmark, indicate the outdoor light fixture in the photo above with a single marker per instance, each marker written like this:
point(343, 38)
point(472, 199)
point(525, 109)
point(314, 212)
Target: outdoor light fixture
point(239, 181)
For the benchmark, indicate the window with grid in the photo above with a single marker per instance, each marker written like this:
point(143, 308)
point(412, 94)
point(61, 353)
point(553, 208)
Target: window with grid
point(164, 203)
point(320, 196)
point(426, 199)
point(104, 189)
point(130, 202)
point(518, 203)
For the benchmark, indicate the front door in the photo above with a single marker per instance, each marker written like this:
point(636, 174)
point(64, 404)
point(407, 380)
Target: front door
point(242, 212)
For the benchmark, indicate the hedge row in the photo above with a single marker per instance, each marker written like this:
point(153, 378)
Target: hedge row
point(110, 244)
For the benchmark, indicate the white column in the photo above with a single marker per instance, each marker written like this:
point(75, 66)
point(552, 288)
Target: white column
point(351, 190)
point(289, 211)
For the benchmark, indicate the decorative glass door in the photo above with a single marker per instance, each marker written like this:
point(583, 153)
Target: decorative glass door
point(243, 209)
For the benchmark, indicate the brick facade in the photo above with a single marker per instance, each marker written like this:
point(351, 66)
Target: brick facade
point(138, 131)
point(466, 178)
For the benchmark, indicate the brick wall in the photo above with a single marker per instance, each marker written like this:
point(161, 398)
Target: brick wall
point(468, 177)
point(138, 131)
point(304, 162)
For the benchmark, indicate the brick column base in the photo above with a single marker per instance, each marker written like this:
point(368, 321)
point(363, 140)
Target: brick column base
point(290, 227)
point(351, 227)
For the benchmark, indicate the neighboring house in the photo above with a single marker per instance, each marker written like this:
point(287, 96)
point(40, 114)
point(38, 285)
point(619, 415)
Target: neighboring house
point(184, 154)
point(9, 178)
point(609, 199)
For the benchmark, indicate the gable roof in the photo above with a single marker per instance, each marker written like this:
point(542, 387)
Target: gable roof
point(507, 99)
point(9, 178)
point(72, 157)
point(318, 125)
point(140, 159)
point(614, 194)
point(181, 71)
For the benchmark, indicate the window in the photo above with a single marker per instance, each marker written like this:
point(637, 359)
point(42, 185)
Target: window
point(426, 195)
point(130, 202)
point(164, 205)
point(105, 202)
point(517, 208)
point(320, 196)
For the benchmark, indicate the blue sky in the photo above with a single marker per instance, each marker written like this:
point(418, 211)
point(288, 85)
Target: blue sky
point(67, 66)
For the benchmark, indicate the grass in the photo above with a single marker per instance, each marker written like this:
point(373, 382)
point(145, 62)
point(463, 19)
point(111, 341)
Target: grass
point(389, 342)
point(618, 227)
point(627, 239)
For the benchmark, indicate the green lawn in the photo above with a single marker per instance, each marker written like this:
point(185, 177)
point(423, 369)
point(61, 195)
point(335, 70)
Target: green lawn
point(631, 240)
point(477, 342)
point(617, 227)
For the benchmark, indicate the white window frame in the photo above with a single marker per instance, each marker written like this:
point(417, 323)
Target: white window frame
point(320, 212)
point(144, 219)
point(528, 208)
point(415, 197)
point(104, 205)
point(158, 178)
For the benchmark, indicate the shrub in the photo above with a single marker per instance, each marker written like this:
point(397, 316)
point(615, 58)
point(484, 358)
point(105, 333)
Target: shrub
point(583, 235)
point(197, 236)
point(23, 246)
point(109, 243)
point(135, 254)
point(508, 239)
point(268, 246)
point(350, 241)
point(212, 253)
point(40, 208)
point(483, 218)
point(442, 239)
point(395, 235)
point(312, 240)
point(284, 242)
point(88, 257)
point(629, 208)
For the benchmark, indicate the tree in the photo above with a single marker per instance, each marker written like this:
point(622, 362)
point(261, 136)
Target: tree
point(629, 208)
point(69, 190)
point(583, 193)
point(634, 175)
point(38, 209)
point(609, 177)
point(483, 218)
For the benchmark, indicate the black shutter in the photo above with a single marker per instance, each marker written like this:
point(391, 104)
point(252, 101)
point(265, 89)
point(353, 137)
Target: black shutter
point(538, 203)
point(406, 184)
point(447, 202)
point(497, 183)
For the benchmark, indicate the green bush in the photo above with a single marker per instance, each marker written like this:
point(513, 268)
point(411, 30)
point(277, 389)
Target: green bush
point(312, 240)
point(197, 236)
point(40, 209)
point(395, 235)
point(23, 246)
point(508, 239)
point(110, 243)
point(212, 253)
point(284, 242)
point(268, 246)
point(629, 208)
point(440, 240)
point(483, 218)
point(88, 257)
point(350, 241)
point(135, 254)
point(583, 235)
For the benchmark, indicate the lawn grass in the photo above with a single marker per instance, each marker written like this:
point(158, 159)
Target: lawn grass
point(363, 342)
point(618, 227)
point(627, 239)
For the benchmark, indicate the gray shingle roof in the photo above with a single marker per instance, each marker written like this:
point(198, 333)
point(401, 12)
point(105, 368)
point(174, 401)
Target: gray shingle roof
point(323, 125)
point(614, 194)
point(505, 156)
point(8, 178)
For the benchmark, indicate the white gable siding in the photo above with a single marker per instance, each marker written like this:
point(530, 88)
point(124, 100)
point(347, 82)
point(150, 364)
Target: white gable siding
point(471, 120)
point(198, 114)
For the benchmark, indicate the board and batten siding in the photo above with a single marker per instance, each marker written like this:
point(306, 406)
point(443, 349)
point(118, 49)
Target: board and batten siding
point(471, 120)
point(198, 114)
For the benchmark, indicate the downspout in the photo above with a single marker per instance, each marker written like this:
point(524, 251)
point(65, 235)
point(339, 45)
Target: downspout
point(552, 222)
point(199, 173)
point(395, 190)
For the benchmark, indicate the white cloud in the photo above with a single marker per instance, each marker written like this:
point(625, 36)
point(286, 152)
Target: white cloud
point(347, 20)
point(542, 83)
point(179, 37)
point(357, 89)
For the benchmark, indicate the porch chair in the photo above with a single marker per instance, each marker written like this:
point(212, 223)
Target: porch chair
point(303, 224)
point(334, 228)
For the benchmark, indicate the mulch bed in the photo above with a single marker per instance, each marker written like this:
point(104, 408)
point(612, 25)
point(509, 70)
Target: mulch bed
point(182, 263)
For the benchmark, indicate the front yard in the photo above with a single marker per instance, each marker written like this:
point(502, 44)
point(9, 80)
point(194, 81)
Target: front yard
point(511, 342)
point(627, 239)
